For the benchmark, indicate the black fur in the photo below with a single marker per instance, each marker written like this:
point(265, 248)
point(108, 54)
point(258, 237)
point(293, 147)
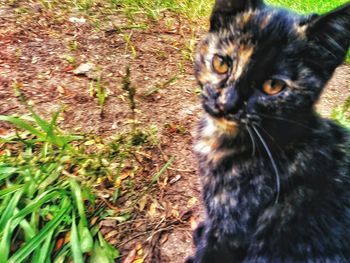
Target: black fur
point(276, 187)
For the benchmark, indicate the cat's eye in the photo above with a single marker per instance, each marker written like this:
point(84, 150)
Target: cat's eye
point(220, 64)
point(273, 86)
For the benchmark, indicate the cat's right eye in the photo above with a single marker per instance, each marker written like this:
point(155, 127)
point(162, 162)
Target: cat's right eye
point(220, 65)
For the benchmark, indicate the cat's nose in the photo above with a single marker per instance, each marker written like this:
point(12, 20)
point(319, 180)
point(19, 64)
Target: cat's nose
point(228, 100)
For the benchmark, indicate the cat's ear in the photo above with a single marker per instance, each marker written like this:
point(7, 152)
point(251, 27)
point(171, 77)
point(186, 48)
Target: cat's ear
point(224, 10)
point(331, 32)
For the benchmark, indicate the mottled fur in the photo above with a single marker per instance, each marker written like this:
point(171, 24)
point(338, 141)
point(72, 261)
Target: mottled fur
point(275, 175)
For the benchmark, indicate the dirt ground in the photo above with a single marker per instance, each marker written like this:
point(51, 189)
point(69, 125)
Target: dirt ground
point(40, 49)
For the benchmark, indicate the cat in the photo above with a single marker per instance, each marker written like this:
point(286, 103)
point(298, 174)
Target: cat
point(275, 175)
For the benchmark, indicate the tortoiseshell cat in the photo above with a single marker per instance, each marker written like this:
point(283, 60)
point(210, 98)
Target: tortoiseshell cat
point(275, 175)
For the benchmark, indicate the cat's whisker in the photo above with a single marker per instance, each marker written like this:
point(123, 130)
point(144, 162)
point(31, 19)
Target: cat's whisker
point(278, 183)
point(251, 135)
point(270, 136)
point(286, 120)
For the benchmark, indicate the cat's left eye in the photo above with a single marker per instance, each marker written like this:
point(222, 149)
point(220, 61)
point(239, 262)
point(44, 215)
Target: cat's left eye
point(273, 86)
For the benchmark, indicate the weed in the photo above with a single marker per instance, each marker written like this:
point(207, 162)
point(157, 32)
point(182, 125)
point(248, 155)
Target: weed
point(71, 60)
point(100, 91)
point(129, 44)
point(73, 45)
point(131, 90)
point(46, 4)
point(42, 197)
point(49, 184)
point(161, 86)
point(84, 4)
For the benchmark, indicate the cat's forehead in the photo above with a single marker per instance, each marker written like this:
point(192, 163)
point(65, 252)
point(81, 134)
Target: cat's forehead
point(253, 27)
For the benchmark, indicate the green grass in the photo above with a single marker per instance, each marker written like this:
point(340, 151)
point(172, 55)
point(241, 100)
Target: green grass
point(50, 188)
point(308, 6)
point(154, 8)
point(341, 114)
point(46, 209)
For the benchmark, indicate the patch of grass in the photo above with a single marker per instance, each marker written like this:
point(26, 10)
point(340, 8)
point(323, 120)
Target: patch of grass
point(310, 6)
point(153, 9)
point(46, 201)
point(55, 188)
point(84, 4)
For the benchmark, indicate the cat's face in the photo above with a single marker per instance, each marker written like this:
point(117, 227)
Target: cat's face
point(259, 62)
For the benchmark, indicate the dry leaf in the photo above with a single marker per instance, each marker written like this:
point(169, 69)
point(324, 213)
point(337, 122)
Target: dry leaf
point(164, 238)
point(131, 256)
point(111, 234)
point(142, 203)
point(175, 179)
point(77, 20)
point(193, 222)
point(118, 182)
point(3, 132)
point(152, 211)
point(59, 244)
point(90, 142)
point(84, 69)
point(192, 202)
point(175, 213)
point(94, 220)
point(61, 90)
point(139, 249)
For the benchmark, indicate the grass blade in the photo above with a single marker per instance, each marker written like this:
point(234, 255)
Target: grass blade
point(10, 190)
point(41, 253)
point(37, 203)
point(156, 177)
point(28, 248)
point(5, 242)
point(75, 244)
point(22, 124)
point(10, 209)
point(6, 171)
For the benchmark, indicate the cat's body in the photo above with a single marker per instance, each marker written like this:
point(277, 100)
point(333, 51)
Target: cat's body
point(275, 175)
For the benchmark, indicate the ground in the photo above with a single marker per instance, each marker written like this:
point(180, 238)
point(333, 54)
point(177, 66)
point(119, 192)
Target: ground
point(39, 51)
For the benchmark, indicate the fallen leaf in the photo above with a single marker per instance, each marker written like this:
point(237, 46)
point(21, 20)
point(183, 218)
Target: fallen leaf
point(59, 244)
point(84, 69)
point(90, 142)
point(142, 203)
point(61, 90)
point(193, 222)
point(111, 234)
point(140, 260)
point(77, 20)
point(94, 220)
point(191, 202)
point(152, 211)
point(139, 249)
point(3, 132)
point(68, 68)
point(131, 256)
point(175, 179)
point(164, 238)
